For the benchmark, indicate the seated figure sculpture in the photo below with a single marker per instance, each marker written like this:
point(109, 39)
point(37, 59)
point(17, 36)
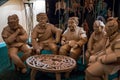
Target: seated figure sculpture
point(15, 37)
point(45, 35)
point(108, 61)
point(96, 41)
point(73, 39)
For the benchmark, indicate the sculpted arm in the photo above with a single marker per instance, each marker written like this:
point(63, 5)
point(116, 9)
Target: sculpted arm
point(112, 57)
point(34, 39)
point(63, 40)
point(23, 36)
point(9, 38)
point(83, 39)
point(90, 43)
point(58, 33)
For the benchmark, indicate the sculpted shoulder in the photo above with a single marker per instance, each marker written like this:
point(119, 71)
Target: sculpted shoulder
point(66, 32)
point(50, 25)
point(36, 27)
point(6, 28)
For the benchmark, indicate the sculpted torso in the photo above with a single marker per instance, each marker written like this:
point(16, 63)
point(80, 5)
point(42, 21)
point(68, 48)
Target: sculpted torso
point(18, 41)
point(98, 42)
point(15, 38)
point(73, 35)
point(108, 60)
point(73, 39)
point(44, 34)
point(97, 39)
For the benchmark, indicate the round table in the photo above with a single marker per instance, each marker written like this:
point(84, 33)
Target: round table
point(50, 63)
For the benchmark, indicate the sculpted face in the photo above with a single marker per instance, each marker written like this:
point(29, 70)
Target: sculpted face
point(42, 19)
point(111, 27)
point(71, 25)
point(13, 21)
point(96, 26)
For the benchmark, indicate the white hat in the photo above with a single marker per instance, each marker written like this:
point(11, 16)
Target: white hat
point(102, 24)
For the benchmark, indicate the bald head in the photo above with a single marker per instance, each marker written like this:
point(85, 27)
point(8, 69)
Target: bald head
point(13, 21)
point(111, 26)
point(13, 18)
point(75, 19)
point(42, 16)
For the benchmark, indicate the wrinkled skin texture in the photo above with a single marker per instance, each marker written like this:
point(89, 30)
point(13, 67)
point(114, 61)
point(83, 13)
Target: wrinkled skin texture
point(43, 35)
point(96, 41)
point(73, 39)
point(108, 60)
point(15, 37)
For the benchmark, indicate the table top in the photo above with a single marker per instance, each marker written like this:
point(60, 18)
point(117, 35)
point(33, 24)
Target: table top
point(51, 63)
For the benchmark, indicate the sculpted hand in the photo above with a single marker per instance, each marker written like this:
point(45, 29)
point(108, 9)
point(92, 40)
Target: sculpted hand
point(63, 42)
point(17, 31)
point(100, 58)
point(72, 43)
point(75, 46)
point(92, 52)
point(37, 51)
point(93, 58)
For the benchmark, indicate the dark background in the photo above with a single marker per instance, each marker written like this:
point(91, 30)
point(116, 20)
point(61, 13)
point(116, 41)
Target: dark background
point(51, 10)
